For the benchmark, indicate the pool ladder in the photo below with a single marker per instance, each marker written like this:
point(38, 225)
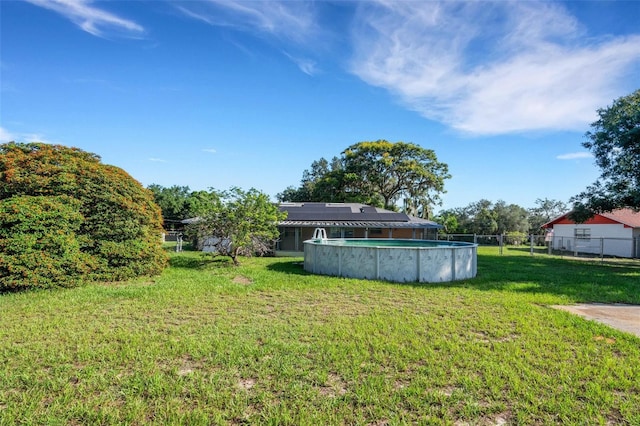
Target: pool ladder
point(319, 234)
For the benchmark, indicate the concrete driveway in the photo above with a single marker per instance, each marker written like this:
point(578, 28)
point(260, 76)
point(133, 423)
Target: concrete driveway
point(622, 317)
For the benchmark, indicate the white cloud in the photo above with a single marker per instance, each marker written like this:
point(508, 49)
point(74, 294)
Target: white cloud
point(210, 150)
point(157, 160)
point(89, 18)
point(292, 20)
point(490, 67)
point(6, 136)
point(9, 136)
point(307, 66)
point(575, 156)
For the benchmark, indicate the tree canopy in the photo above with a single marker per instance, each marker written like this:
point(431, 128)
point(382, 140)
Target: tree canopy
point(173, 201)
point(179, 202)
point(396, 171)
point(107, 216)
point(614, 140)
point(510, 217)
point(237, 222)
point(545, 210)
point(484, 217)
point(379, 173)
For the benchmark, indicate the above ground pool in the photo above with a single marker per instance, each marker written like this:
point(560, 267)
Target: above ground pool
point(391, 259)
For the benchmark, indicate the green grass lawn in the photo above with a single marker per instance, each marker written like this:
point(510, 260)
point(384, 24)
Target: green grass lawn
point(266, 343)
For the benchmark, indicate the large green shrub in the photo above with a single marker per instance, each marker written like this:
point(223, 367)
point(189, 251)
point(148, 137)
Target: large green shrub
point(120, 226)
point(39, 245)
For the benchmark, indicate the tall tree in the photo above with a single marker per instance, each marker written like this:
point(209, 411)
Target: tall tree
point(614, 140)
point(396, 171)
point(238, 222)
point(293, 195)
point(545, 210)
point(483, 218)
point(173, 201)
point(510, 218)
point(379, 173)
point(476, 218)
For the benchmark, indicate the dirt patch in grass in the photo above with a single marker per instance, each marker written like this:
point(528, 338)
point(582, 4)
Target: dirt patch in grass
point(188, 365)
point(240, 279)
point(333, 387)
point(246, 383)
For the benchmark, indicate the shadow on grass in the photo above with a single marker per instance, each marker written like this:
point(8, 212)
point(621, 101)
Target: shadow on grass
point(581, 281)
point(171, 247)
point(569, 255)
point(577, 279)
point(295, 267)
point(527, 250)
point(198, 261)
point(186, 262)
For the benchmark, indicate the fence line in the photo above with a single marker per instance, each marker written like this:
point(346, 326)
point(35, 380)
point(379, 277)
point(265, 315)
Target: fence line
point(564, 246)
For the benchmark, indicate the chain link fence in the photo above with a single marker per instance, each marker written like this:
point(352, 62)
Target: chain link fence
point(602, 248)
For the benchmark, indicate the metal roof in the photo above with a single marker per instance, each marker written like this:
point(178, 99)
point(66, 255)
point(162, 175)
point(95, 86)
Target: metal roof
point(627, 217)
point(345, 215)
point(340, 224)
point(356, 215)
point(356, 224)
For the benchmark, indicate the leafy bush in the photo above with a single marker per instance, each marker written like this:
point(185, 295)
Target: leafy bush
point(118, 225)
point(515, 238)
point(237, 223)
point(39, 245)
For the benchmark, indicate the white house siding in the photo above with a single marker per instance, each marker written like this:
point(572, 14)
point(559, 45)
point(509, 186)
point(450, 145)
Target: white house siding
point(612, 239)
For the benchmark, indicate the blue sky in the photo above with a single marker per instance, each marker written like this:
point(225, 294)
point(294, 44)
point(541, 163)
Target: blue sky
point(216, 94)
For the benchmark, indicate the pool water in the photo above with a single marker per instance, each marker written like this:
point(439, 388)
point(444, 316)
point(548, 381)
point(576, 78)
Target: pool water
point(387, 242)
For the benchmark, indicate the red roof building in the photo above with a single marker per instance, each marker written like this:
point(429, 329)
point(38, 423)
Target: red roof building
point(615, 233)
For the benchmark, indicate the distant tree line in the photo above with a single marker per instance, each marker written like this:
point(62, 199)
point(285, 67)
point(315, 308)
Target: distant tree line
point(487, 218)
point(481, 217)
point(180, 202)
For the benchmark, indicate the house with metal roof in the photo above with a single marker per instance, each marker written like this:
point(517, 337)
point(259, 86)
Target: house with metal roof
point(347, 220)
point(615, 233)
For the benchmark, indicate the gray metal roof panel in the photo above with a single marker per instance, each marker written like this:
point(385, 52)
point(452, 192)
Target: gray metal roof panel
point(340, 215)
point(357, 224)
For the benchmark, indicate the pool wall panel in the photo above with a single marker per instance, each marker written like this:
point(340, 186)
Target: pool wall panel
point(443, 263)
point(358, 263)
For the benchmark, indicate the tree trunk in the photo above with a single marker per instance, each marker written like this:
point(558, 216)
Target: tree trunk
point(234, 256)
